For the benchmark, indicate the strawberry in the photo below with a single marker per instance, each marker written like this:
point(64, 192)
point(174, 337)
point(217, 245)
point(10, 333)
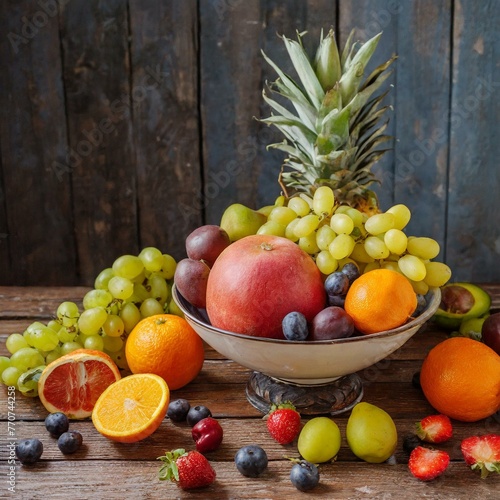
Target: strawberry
point(434, 429)
point(427, 464)
point(283, 422)
point(187, 469)
point(482, 452)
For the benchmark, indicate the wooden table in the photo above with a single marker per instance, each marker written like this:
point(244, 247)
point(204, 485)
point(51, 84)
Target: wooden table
point(103, 469)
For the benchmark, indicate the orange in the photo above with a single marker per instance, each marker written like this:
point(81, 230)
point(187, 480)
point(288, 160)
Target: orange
point(380, 300)
point(132, 408)
point(166, 345)
point(72, 383)
point(460, 377)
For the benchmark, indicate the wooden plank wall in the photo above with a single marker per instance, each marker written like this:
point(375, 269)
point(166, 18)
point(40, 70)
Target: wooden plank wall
point(129, 123)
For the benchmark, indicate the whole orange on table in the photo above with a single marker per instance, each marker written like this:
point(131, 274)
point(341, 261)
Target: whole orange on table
point(460, 377)
point(167, 346)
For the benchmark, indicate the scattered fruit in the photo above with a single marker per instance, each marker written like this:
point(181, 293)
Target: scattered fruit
point(72, 383)
point(69, 442)
point(132, 408)
point(56, 423)
point(206, 243)
point(331, 323)
point(304, 475)
point(490, 332)
point(380, 300)
point(191, 279)
point(426, 464)
point(251, 460)
point(371, 433)
point(189, 470)
point(295, 326)
point(207, 434)
point(449, 379)
point(319, 440)
point(434, 429)
point(482, 453)
point(257, 281)
point(197, 413)
point(167, 346)
point(178, 409)
point(29, 451)
point(283, 422)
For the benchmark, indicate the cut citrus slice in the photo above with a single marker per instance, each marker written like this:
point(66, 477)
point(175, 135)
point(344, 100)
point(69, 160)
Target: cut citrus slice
point(72, 383)
point(132, 408)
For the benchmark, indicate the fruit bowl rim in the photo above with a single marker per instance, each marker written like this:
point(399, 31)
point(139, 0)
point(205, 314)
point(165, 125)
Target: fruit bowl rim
point(433, 298)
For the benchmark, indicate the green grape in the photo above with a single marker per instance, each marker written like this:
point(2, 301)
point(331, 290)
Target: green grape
point(376, 248)
point(420, 287)
point(425, 248)
point(158, 288)
point(54, 325)
point(401, 214)
point(68, 347)
point(371, 266)
point(341, 223)
point(127, 266)
point(282, 215)
point(324, 236)
point(359, 253)
point(91, 320)
point(97, 298)
point(28, 382)
point(299, 206)
point(342, 246)
point(342, 209)
point(280, 201)
point(11, 375)
point(290, 231)
point(379, 223)
point(140, 278)
point(308, 244)
point(45, 339)
point(307, 199)
point(130, 316)
point(396, 241)
point(355, 215)
point(94, 342)
point(121, 288)
point(151, 307)
point(326, 263)
point(306, 225)
point(273, 228)
point(167, 270)
point(112, 344)
point(28, 337)
point(173, 308)
point(26, 358)
point(140, 294)
point(323, 201)
point(102, 280)
point(113, 326)
point(152, 259)
point(67, 334)
point(4, 363)
point(35, 326)
point(53, 355)
point(68, 313)
point(437, 274)
point(391, 265)
point(412, 267)
point(14, 342)
point(120, 359)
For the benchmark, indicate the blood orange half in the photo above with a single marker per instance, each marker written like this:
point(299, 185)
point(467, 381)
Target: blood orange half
point(72, 383)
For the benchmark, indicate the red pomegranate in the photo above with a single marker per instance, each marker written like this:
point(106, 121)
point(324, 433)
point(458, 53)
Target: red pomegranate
point(257, 281)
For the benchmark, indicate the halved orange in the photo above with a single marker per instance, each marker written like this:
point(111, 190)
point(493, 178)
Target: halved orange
point(72, 383)
point(132, 408)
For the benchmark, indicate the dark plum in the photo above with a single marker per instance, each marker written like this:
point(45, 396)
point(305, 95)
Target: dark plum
point(191, 278)
point(207, 243)
point(304, 475)
point(490, 332)
point(251, 460)
point(197, 413)
point(351, 271)
point(331, 323)
point(295, 326)
point(336, 300)
point(337, 283)
point(178, 409)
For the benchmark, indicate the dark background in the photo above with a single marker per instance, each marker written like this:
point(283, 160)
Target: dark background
point(126, 124)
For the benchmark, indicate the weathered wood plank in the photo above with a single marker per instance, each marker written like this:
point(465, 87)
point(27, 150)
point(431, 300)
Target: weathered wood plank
point(473, 244)
point(166, 121)
point(101, 156)
point(37, 230)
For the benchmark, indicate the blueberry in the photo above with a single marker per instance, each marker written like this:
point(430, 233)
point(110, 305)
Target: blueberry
point(69, 442)
point(57, 423)
point(294, 326)
point(251, 460)
point(29, 451)
point(178, 410)
point(337, 284)
point(197, 413)
point(351, 271)
point(304, 475)
point(410, 442)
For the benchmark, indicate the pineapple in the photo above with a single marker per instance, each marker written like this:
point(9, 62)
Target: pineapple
point(333, 138)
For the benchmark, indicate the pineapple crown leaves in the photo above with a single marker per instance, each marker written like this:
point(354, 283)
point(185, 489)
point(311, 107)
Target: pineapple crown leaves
point(169, 470)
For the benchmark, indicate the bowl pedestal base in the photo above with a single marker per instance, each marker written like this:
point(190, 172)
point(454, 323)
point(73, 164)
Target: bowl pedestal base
point(331, 398)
